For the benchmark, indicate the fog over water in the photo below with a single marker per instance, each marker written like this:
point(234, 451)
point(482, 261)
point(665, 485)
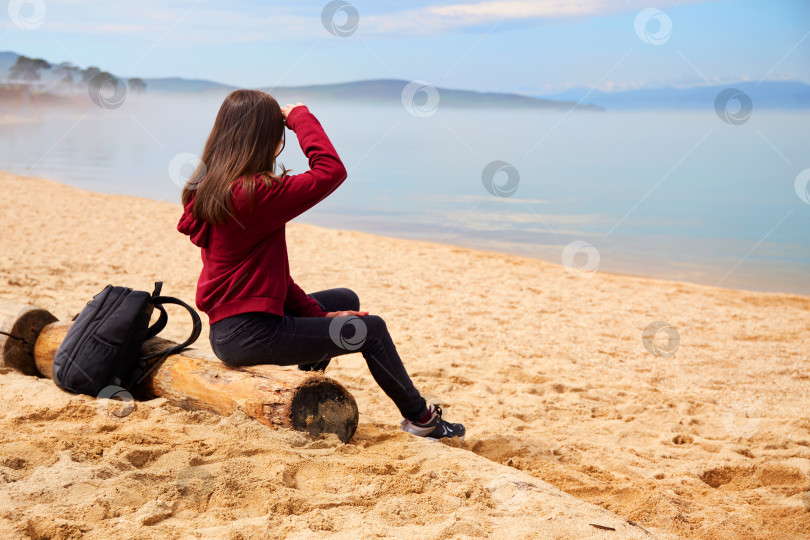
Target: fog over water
point(675, 195)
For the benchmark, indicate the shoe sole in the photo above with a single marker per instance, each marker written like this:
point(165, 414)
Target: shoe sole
point(433, 439)
point(430, 438)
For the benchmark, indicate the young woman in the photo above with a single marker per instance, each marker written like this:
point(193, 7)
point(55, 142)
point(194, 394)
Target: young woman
point(235, 209)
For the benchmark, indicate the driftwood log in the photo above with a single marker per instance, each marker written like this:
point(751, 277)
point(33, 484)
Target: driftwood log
point(279, 397)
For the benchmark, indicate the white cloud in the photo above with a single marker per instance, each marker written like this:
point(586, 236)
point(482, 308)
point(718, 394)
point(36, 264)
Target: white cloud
point(441, 18)
point(206, 22)
point(98, 28)
point(215, 23)
point(512, 9)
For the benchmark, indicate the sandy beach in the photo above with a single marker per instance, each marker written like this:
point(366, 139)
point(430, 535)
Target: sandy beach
point(573, 426)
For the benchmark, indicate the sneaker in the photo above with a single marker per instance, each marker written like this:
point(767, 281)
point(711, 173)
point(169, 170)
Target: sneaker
point(435, 428)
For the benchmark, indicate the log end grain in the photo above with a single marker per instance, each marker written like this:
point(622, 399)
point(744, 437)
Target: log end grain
point(322, 405)
point(20, 325)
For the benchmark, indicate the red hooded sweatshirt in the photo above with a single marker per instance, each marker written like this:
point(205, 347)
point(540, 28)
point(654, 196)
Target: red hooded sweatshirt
point(245, 266)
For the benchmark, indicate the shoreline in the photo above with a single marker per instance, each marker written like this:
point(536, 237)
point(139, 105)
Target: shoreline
point(521, 249)
point(497, 249)
point(548, 370)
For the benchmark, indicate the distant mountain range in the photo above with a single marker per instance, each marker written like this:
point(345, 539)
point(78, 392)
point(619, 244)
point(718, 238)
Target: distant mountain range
point(391, 91)
point(765, 95)
point(177, 84)
point(373, 91)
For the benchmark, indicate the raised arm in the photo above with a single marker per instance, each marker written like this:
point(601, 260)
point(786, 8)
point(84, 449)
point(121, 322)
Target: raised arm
point(298, 193)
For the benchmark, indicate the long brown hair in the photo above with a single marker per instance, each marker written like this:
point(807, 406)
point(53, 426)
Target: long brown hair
point(243, 142)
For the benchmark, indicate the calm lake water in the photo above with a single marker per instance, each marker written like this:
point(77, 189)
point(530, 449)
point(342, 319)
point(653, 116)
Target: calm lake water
point(674, 195)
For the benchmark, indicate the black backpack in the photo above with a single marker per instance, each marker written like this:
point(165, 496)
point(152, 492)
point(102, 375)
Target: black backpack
point(103, 346)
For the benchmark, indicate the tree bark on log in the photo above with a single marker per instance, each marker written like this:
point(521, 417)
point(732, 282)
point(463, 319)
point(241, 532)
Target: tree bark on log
point(279, 397)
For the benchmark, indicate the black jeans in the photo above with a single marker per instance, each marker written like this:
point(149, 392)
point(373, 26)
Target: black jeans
point(311, 342)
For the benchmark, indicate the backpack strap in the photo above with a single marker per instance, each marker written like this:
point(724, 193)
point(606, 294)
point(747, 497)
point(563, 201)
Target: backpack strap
point(141, 372)
point(195, 332)
point(160, 324)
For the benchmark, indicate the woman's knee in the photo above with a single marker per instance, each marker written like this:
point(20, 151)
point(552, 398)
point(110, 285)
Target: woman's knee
point(349, 299)
point(375, 325)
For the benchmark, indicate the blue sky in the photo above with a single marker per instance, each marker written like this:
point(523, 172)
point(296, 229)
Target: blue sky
point(533, 47)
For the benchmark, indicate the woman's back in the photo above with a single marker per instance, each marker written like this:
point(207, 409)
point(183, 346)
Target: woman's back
point(245, 265)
